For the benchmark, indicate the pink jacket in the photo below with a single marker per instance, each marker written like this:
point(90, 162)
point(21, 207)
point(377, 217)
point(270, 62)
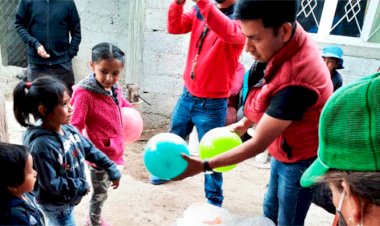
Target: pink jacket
point(97, 116)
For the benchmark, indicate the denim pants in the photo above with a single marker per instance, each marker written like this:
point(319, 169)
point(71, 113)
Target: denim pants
point(285, 201)
point(57, 215)
point(205, 114)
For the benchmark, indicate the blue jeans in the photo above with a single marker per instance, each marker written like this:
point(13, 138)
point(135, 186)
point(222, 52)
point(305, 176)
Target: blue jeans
point(285, 201)
point(57, 215)
point(205, 114)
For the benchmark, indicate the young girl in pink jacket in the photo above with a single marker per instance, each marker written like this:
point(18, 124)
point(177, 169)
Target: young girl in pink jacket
point(97, 101)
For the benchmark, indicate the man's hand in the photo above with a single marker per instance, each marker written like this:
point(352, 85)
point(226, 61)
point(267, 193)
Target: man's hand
point(115, 183)
point(194, 167)
point(42, 52)
point(180, 2)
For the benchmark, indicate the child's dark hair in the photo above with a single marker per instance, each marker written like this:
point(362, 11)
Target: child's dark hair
point(27, 96)
point(106, 51)
point(13, 159)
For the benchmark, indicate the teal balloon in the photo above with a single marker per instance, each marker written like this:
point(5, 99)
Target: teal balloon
point(162, 155)
point(216, 142)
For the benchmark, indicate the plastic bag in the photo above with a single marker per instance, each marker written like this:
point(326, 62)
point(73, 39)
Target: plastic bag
point(204, 214)
point(256, 221)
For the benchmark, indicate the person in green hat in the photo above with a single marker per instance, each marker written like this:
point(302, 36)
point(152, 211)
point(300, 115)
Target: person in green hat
point(349, 152)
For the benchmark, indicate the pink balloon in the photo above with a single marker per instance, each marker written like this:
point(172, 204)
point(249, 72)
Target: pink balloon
point(132, 124)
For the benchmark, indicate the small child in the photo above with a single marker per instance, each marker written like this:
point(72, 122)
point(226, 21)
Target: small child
point(97, 102)
point(17, 204)
point(333, 57)
point(58, 149)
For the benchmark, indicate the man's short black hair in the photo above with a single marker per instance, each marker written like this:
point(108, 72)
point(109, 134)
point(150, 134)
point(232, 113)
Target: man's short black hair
point(273, 13)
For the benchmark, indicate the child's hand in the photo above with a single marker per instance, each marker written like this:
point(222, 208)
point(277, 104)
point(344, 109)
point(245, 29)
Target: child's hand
point(115, 183)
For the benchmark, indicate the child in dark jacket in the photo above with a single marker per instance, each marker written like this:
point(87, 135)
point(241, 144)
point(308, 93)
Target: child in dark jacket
point(58, 149)
point(17, 204)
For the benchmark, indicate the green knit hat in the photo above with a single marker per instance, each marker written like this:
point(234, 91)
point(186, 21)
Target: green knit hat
point(349, 131)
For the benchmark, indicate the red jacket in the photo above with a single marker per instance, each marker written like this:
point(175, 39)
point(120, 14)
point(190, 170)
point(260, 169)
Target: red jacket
point(217, 62)
point(298, 63)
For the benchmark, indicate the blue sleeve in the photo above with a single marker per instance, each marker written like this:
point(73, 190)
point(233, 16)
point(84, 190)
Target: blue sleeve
point(75, 30)
point(21, 25)
point(17, 216)
point(45, 156)
point(101, 160)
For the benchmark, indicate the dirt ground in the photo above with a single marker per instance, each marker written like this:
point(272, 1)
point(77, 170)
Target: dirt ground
point(136, 202)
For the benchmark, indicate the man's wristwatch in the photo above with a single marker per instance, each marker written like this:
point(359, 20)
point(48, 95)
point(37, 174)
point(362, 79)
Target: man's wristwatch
point(206, 167)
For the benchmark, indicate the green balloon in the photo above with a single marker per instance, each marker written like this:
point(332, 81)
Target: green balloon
point(218, 141)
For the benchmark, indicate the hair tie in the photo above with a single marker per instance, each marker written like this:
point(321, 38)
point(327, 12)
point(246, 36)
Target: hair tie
point(28, 84)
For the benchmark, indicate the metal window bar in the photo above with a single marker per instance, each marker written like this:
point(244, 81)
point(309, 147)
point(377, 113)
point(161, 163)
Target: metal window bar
point(310, 13)
point(352, 10)
point(369, 29)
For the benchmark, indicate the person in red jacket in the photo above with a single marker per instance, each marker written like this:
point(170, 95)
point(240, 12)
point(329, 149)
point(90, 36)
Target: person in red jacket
point(285, 104)
point(216, 43)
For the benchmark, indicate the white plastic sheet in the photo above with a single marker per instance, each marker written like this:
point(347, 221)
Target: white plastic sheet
point(204, 214)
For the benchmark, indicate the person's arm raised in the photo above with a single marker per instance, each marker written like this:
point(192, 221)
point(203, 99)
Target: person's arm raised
point(179, 22)
point(227, 29)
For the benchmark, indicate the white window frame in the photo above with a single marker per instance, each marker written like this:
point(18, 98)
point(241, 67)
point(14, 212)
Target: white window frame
point(328, 12)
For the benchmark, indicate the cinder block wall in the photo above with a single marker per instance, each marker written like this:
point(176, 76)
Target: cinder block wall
point(101, 21)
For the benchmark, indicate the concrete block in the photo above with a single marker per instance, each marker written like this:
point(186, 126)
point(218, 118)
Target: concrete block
point(171, 64)
point(156, 19)
point(161, 84)
point(167, 43)
point(154, 4)
point(151, 62)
